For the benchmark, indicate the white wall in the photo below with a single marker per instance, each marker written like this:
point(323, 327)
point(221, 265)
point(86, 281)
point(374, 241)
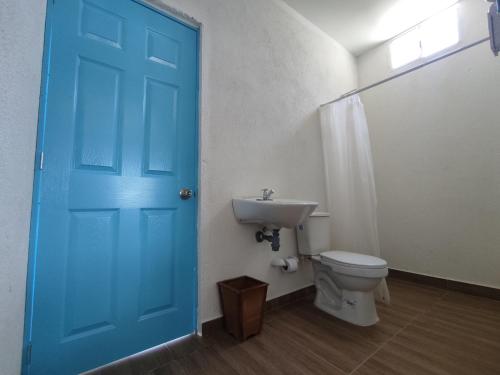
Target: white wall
point(21, 39)
point(436, 145)
point(265, 72)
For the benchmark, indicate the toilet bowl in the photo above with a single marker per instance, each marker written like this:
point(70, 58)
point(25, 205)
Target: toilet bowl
point(344, 281)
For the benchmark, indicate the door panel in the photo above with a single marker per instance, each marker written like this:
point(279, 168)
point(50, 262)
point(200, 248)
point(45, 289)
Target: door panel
point(97, 125)
point(156, 264)
point(115, 247)
point(160, 126)
point(91, 251)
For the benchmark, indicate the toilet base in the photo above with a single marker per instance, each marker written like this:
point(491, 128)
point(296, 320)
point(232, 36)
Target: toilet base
point(354, 307)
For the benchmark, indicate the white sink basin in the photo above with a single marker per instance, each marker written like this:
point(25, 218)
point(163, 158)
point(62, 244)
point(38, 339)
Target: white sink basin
point(273, 214)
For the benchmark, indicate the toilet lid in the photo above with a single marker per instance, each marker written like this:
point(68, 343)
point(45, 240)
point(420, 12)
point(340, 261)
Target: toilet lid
point(353, 259)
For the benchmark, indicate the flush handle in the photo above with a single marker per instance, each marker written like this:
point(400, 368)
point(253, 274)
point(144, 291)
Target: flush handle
point(185, 194)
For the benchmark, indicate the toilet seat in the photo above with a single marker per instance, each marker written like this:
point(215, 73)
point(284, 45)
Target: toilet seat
point(354, 264)
point(347, 258)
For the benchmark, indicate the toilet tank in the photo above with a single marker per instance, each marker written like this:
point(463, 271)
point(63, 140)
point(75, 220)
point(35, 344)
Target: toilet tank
point(313, 236)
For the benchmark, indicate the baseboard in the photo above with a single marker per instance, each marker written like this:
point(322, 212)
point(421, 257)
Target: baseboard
point(458, 286)
point(272, 304)
point(298, 295)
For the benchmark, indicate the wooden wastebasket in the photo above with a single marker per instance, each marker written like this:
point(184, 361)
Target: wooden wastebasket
point(243, 300)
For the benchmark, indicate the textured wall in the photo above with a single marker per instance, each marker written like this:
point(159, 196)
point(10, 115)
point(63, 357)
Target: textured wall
point(265, 71)
point(21, 39)
point(436, 145)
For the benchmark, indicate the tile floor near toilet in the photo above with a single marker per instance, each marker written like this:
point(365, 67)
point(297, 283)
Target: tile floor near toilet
point(425, 330)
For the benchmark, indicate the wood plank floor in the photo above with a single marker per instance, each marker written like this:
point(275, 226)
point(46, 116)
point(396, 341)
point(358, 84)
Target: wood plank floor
point(425, 330)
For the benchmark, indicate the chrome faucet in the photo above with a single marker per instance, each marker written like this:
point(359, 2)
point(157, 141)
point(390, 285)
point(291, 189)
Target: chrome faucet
point(266, 194)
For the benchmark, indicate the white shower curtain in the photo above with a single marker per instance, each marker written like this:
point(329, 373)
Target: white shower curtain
point(352, 200)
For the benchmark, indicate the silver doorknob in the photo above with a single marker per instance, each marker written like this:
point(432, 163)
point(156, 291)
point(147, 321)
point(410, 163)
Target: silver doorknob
point(185, 194)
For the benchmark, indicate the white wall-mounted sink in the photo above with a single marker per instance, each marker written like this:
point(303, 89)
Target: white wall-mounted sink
point(272, 214)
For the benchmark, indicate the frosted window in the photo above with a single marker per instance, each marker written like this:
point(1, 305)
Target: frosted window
point(431, 36)
point(439, 32)
point(405, 49)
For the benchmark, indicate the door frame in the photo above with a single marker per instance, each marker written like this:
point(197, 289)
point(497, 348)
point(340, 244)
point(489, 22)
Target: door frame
point(171, 14)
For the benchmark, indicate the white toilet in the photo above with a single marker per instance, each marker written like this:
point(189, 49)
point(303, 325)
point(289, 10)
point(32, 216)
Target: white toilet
point(344, 281)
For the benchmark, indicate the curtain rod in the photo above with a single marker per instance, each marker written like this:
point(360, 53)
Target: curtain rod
point(439, 58)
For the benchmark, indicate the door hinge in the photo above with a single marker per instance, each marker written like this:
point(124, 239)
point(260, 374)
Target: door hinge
point(40, 161)
point(28, 353)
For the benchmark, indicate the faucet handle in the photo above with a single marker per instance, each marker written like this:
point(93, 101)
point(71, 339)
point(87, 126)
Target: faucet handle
point(266, 193)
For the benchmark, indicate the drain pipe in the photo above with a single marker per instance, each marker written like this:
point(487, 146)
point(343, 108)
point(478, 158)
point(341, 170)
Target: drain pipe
point(274, 238)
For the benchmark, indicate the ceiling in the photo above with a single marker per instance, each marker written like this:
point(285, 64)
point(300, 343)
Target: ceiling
point(360, 25)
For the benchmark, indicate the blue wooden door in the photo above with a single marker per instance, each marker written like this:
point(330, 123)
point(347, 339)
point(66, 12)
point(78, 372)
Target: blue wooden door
point(114, 245)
